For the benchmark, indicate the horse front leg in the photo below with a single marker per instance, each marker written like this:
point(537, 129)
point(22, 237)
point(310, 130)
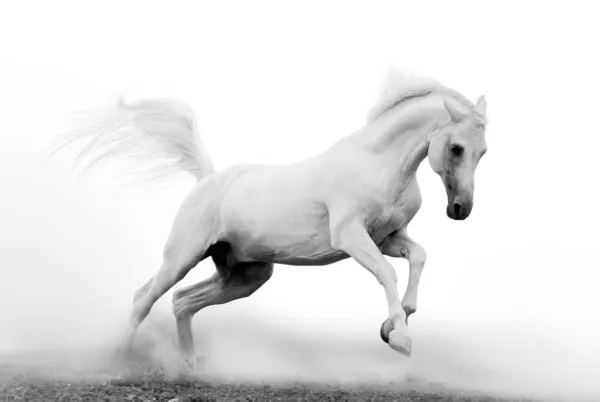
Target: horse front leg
point(399, 244)
point(352, 238)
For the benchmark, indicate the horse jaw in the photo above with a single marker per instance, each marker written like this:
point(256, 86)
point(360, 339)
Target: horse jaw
point(436, 151)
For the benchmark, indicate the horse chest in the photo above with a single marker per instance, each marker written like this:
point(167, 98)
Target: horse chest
point(385, 222)
point(386, 219)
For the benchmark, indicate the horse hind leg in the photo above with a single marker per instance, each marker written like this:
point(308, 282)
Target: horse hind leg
point(180, 256)
point(142, 291)
point(230, 282)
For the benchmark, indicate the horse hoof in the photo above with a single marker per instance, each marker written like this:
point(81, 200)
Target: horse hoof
point(385, 330)
point(194, 366)
point(397, 340)
point(401, 343)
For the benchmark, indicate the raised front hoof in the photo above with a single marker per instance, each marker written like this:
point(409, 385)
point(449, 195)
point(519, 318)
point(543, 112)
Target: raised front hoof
point(401, 343)
point(396, 340)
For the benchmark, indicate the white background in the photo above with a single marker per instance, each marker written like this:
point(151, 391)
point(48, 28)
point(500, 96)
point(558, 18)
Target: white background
point(509, 296)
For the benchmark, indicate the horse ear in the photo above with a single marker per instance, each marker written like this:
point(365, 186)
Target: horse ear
point(454, 110)
point(481, 105)
point(436, 152)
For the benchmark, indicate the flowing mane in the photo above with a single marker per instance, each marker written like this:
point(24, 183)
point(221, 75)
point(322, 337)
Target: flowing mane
point(399, 86)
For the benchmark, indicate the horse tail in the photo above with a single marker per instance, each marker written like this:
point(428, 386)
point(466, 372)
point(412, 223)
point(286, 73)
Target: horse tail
point(156, 130)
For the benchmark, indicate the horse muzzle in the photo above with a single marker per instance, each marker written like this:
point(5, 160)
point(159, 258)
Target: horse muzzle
point(459, 210)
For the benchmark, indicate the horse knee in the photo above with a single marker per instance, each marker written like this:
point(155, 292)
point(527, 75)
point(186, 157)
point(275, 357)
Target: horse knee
point(418, 255)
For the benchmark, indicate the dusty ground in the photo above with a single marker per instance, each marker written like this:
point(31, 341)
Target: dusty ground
point(30, 383)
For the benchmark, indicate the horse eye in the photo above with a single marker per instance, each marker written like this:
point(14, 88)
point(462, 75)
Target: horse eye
point(456, 150)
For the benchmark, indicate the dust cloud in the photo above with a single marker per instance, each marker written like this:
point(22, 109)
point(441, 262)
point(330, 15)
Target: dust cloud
point(246, 345)
point(75, 254)
point(509, 298)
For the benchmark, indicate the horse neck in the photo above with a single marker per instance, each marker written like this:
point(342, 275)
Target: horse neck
point(400, 137)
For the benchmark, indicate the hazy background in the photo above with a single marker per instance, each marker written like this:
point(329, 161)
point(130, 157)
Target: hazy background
point(509, 297)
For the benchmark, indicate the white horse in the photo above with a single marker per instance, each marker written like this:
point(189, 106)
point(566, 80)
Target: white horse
point(355, 199)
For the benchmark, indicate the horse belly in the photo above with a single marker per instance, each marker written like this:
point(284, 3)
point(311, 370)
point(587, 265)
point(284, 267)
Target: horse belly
point(283, 239)
point(278, 225)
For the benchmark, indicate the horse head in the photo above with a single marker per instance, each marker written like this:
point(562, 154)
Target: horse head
point(455, 151)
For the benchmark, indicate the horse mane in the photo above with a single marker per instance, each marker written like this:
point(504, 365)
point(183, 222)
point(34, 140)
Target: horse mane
point(399, 86)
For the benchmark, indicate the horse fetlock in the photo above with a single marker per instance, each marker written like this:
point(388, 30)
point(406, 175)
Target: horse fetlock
point(409, 309)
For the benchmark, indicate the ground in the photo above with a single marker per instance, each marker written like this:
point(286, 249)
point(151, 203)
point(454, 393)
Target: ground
point(27, 384)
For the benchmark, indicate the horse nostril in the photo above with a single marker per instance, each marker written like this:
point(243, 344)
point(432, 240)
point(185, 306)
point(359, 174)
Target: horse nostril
point(457, 209)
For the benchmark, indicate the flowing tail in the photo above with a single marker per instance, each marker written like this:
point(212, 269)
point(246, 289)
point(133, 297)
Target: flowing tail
point(158, 131)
